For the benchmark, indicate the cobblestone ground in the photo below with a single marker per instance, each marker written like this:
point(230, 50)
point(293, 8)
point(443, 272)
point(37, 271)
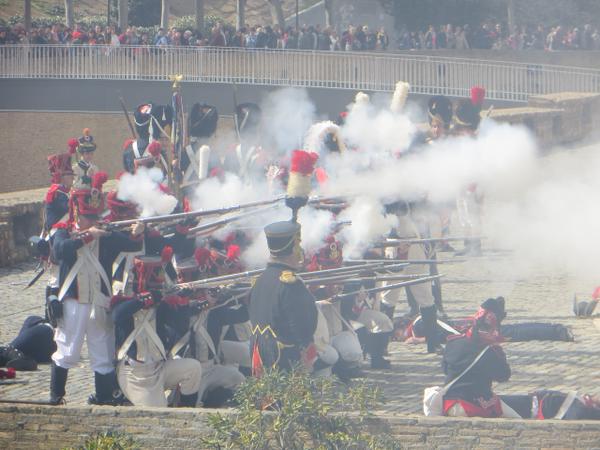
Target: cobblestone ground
point(556, 365)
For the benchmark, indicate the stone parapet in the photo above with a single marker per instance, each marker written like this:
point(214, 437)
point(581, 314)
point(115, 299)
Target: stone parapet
point(46, 427)
point(579, 112)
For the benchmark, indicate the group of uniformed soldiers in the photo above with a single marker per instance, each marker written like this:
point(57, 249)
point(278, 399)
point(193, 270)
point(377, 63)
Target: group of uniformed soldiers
point(156, 337)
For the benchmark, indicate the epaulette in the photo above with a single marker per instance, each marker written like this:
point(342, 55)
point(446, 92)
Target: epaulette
point(287, 277)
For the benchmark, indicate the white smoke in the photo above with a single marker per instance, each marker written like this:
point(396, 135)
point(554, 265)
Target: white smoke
point(287, 114)
point(142, 188)
point(369, 224)
point(316, 226)
point(230, 190)
point(551, 223)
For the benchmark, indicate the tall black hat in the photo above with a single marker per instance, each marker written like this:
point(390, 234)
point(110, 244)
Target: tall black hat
point(440, 108)
point(281, 237)
point(202, 121)
point(248, 117)
point(467, 115)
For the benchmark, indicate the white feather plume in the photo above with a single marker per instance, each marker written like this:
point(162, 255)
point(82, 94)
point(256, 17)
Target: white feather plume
point(400, 96)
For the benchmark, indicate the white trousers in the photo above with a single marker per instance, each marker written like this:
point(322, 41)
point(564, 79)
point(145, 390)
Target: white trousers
point(422, 291)
point(81, 321)
point(235, 353)
point(144, 384)
point(375, 321)
point(216, 375)
point(348, 346)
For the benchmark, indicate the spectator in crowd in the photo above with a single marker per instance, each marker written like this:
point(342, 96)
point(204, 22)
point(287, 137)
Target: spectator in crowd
point(485, 35)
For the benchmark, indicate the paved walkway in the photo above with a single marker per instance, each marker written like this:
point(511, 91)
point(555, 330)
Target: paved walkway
point(556, 365)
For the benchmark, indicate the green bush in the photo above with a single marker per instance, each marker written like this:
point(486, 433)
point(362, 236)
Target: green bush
point(107, 441)
point(296, 411)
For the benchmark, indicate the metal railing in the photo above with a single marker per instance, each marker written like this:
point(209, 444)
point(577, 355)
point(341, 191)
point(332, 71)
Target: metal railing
point(338, 70)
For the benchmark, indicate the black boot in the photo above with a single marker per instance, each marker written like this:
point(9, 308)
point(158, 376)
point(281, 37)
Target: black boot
point(107, 392)
point(58, 381)
point(188, 401)
point(345, 371)
point(429, 317)
point(377, 348)
point(412, 303)
point(16, 359)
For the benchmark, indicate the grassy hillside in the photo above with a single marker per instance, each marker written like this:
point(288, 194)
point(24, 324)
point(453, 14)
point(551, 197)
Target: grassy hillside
point(257, 11)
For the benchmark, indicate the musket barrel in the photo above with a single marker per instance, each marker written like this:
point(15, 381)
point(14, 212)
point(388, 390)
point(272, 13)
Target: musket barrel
point(407, 261)
point(389, 287)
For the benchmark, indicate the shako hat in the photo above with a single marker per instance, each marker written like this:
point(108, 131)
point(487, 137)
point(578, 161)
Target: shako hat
point(281, 237)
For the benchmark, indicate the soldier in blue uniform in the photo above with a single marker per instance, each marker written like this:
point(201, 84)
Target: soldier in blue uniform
point(282, 309)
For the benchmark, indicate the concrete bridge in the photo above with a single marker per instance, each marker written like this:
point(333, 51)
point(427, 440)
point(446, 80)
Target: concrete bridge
point(427, 74)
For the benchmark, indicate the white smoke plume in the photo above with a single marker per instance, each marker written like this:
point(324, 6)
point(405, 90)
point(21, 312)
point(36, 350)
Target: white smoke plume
point(230, 190)
point(142, 188)
point(287, 114)
point(316, 226)
point(369, 224)
point(551, 223)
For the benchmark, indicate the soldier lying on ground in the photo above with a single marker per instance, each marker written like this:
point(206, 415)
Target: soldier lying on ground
point(412, 331)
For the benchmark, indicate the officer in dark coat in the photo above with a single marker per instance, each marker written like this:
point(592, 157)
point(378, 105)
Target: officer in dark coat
point(282, 310)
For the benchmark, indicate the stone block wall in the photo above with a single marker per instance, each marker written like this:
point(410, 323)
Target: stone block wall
point(46, 427)
point(541, 121)
point(579, 113)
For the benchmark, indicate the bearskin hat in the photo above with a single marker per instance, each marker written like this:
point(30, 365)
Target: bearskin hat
point(202, 121)
point(467, 115)
point(164, 116)
point(248, 116)
point(439, 108)
point(141, 117)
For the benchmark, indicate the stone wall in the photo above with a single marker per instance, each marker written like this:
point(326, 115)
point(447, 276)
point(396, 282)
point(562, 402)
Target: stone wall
point(45, 427)
point(27, 138)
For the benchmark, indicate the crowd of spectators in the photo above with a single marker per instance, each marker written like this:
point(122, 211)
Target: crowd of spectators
point(353, 38)
point(492, 36)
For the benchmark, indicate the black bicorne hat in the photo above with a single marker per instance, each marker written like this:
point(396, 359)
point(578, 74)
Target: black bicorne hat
point(202, 121)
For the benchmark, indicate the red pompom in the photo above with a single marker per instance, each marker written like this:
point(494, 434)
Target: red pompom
point(596, 294)
point(72, 144)
point(166, 254)
point(154, 148)
point(99, 179)
point(127, 143)
point(303, 162)
point(477, 95)
point(233, 252)
point(202, 256)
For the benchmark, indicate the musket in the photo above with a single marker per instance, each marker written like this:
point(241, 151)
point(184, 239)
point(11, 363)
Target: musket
point(393, 242)
point(124, 108)
point(388, 287)
point(408, 261)
point(219, 223)
point(182, 216)
point(207, 283)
